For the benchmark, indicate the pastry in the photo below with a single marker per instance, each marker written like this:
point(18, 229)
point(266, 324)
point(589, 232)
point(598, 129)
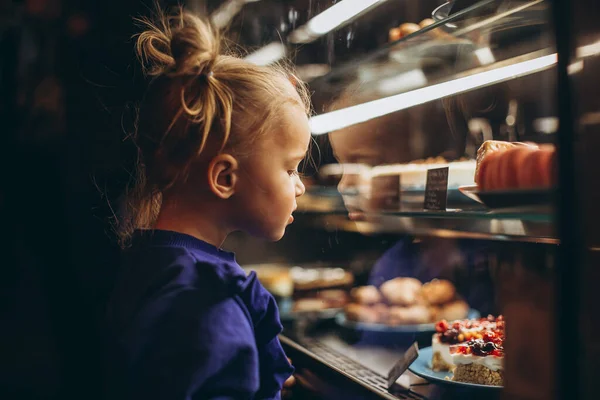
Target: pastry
point(408, 28)
point(509, 166)
point(488, 147)
point(479, 361)
point(366, 295)
point(333, 298)
point(402, 31)
point(276, 280)
point(320, 278)
point(426, 22)
point(361, 313)
point(309, 304)
point(401, 291)
point(461, 331)
point(438, 291)
point(395, 34)
point(457, 309)
point(382, 311)
point(416, 314)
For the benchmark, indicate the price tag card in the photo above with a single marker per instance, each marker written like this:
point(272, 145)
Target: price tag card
point(402, 365)
point(436, 189)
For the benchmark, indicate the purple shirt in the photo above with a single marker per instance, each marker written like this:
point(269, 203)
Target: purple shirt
point(185, 322)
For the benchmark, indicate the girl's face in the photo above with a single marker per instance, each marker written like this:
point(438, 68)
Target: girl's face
point(269, 182)
point(359, 147)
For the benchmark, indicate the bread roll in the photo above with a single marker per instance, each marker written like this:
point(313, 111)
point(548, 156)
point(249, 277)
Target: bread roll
point(382, 312)
point(438, 291)
point(408, 28)
point(457, 309)
point(309, 304)
point(334, 298)
point(277, 281)
point(395, 34)
point(361, 313)
point(426, 22)
point(434, 312)
point(408, 315)
point(366, 295)
point(401, 291)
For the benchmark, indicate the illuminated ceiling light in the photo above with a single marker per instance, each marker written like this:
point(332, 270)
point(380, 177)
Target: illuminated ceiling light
point(402, 82)
point(588, 50)
point(485, 56)
point(328, 20)
point(225, 13)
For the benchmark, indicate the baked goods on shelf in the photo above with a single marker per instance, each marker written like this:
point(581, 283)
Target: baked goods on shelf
point(507, 166)
point(366, 295)
point(438, 292)
point(312, 289)
point(470, 333)
point(322, 300)
point(320, 278)
point(409, 28)
point(276, 279)
point(401, 301)
point(318, 289)
point(401, 291)
point(414, 174)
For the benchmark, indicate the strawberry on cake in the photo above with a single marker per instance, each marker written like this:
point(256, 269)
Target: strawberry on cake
point(453, 333)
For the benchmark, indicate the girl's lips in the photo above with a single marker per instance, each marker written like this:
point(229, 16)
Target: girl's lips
point(356, 216)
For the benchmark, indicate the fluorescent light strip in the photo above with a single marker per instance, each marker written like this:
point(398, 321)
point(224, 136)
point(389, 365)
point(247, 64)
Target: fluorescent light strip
point(268, 54)
point(336, 15)
point(402, 82)
point(225, 13)
point(325, 123)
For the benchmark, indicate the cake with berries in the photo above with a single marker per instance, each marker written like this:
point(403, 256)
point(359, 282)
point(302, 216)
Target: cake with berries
point(479, 361)
point(453, 333)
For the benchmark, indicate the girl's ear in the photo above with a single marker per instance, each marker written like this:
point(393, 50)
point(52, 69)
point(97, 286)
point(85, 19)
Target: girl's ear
point(222, 175)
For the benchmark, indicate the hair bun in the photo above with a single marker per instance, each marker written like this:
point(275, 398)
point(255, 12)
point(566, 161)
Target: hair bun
point(194, 45)
point(183, 44)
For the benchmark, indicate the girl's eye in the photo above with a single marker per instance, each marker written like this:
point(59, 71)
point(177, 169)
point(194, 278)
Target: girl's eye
point(293, 172)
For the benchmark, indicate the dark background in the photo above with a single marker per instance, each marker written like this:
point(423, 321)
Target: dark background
point(67, 83)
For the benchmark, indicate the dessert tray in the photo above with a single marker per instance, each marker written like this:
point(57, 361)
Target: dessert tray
point(342, 321)
point(509, 198)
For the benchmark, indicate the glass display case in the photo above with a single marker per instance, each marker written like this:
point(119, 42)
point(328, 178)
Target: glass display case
point(499, 98)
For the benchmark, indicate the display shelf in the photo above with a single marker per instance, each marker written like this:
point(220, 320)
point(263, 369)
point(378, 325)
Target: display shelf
point(510, 225)
point(462, 44)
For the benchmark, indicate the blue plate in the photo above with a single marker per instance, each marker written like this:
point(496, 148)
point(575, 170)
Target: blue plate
point(422, 367)
point(368, 327)
point(286, 313)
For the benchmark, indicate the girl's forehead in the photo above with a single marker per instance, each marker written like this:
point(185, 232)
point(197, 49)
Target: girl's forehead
point(291, 129)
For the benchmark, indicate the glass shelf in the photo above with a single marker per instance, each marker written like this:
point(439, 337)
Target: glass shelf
point(510, 225)
point(460, 45)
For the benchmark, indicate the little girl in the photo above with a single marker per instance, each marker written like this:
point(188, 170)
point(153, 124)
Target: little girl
point(220, 141)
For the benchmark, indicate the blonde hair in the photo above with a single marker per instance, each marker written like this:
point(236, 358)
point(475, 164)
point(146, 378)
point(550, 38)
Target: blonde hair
point(201, 101)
